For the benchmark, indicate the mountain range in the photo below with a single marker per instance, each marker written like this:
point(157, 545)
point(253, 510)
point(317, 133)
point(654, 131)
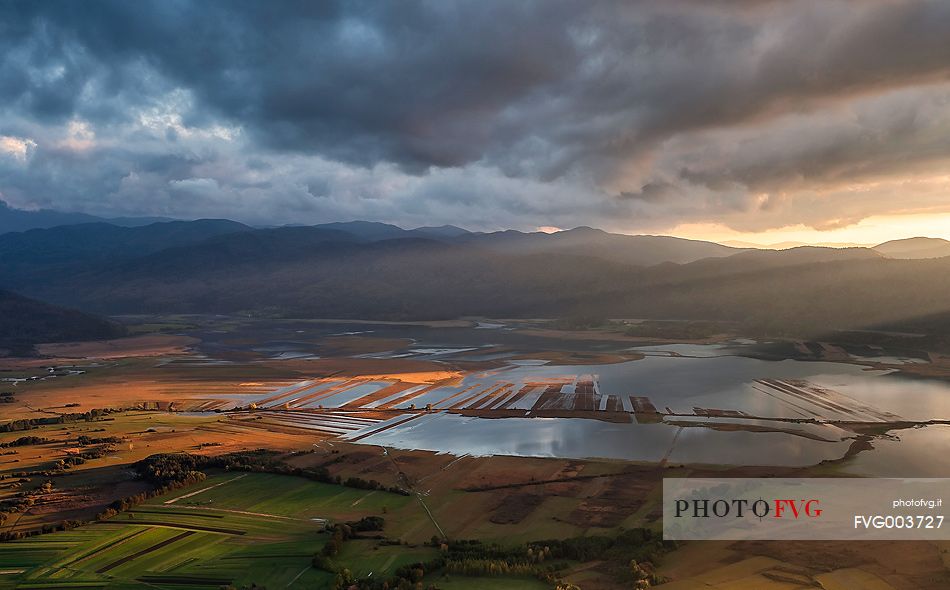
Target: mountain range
point(14, 220)
point(380, 271)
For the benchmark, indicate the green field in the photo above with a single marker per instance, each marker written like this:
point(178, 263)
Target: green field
point(232, 528)
point(466, 583)
point(284, 496)
point(366, 558)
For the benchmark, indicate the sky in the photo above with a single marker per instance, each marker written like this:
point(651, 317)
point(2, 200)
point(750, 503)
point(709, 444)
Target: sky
point(751, 120)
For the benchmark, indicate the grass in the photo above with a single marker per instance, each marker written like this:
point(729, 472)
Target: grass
point(252, 528)
point(283, 495)
point(365, 557)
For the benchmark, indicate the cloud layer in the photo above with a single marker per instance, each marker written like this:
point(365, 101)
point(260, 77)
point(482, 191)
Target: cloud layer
point(627, 115)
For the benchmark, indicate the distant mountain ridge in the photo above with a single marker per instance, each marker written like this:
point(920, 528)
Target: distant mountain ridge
point(591, 241)
point(379, 271)
point(42, 254)
point(642, 250)
point(16, 220)
point(915, 248)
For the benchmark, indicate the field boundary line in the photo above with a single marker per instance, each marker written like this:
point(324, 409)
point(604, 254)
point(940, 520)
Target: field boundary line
point(145, 551)
point(245, 512)
point(173, 500)
point(297, 577)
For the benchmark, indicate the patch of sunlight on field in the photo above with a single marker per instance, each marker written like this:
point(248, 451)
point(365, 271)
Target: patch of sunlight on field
point(417, 377)
point(846, 579)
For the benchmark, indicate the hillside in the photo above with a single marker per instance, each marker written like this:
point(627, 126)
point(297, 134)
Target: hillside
point(327, 271)
point(915, 248)
point(586, 241)
point(25, 322)
point(40, 255)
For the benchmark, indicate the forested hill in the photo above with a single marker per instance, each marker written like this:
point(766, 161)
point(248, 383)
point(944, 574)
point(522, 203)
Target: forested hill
point(377, 271)
point(25, 322)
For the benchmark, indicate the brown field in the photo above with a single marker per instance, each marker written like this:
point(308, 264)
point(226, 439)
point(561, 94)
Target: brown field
point(135, 346)
point(882, 565)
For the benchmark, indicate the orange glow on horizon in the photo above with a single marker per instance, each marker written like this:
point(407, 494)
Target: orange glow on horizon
point(870, 231)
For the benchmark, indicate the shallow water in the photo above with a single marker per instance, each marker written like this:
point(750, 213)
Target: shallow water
point(688, 378)
point(889, 360)
point(580, 438)
point(683, 383)
point(347, 395)
point(912, 452)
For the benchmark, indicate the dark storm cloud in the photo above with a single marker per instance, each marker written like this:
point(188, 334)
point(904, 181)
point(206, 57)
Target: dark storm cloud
point(631, 106)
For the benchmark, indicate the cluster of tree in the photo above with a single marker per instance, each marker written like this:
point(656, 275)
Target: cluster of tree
point(25, 441)
point(157, 467)
point(339, 534)
point(365, 484)
point(367, 524)
point(404, 578)
point(31, 423)
point(637, 543)
point(489, 567)
point(27, 499)
point(130, 502)
point(407, 577)
point(85, 440)
point(66, 525)
point(21, 502)
point(67, 462)
point(82, 456)
point(633, 551)
point(333, 547)
point(25, 322)
point(644, 575)
point(468, 558)
point(170, 469)
point(7, 397)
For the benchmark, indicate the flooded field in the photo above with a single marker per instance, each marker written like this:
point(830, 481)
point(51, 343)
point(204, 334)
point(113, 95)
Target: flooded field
point(910, 452)
point(499, 388)
point(712, 380)
point(580, 438)
point(681, 403)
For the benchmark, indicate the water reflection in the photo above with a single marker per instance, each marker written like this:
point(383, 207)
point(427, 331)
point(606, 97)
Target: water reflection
point(911, 452)
point(579, 438)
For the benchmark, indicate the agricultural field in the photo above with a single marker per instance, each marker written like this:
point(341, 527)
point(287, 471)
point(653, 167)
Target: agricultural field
point(322, 398)
point(82, 490)
point(230, 529)
point(369, 558)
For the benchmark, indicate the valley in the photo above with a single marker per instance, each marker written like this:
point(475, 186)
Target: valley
point(540, 432)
